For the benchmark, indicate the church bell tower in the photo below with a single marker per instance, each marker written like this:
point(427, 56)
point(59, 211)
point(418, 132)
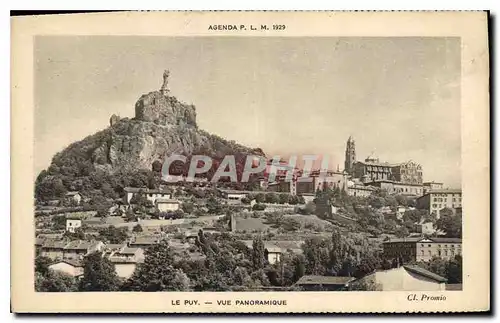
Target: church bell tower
point(350, 156)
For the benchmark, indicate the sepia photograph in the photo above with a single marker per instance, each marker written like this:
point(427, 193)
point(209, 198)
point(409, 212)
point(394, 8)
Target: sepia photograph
point(269, 164)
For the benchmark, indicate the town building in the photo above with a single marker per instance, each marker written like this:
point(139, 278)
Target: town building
point(394, 187)
point(422, 248)
point(274, 249)
point(71, 267)
point(372, 169)
point(79, 248)
point(235, 194)
point(72, 224)
point(429, 186)
point(324, 283)
point(425, 228)
point(167, 205)
point(408, 172)
point(144, 242)
point(126, 260)
point(150, 194)
point(52, 249)
point(436, 200)
point(360, 190)
point(69, 250)
point(404, 278)
point(73, 197)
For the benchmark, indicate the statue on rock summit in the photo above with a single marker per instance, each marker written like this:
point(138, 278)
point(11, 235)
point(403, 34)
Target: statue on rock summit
point(164, 87)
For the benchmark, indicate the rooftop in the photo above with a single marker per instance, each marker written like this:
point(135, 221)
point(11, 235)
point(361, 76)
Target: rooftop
point(424, 272)
point(445, 191)
point(422, 239)
point(393, 182)
point(145, 190)
point(324, 280)
point(164, 200)
point(71, 262)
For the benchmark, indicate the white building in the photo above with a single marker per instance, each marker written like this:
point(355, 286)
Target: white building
point(405, 278)
point(150, 194)
point(75, 197)
point(167, 205)
point(73, 224)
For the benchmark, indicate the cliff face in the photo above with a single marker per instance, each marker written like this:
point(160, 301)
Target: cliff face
point(162, 126)
point(162, 110)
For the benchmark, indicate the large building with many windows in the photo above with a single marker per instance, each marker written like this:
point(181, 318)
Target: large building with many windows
point(422, 249)
point(436, 200)
point(373, 170)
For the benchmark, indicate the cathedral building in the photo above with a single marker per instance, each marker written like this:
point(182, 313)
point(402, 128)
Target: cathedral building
point(372, 170)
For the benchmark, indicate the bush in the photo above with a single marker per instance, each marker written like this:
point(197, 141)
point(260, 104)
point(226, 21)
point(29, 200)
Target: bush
point(259, 207)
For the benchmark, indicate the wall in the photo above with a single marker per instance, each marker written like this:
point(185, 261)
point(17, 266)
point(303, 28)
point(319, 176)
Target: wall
point(399, 279)
point(72, 225)
point(125, 270)
point(168, 207)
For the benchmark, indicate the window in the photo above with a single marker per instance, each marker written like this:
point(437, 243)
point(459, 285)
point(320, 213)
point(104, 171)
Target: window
point(439, 253)
point(422, 245)
point(429, 246)
point(430, 253)
point(446, 252)
point(453, 252)
point(422, 252)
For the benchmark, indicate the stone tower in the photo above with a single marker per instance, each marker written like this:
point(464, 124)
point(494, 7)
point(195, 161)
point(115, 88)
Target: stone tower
point(350, 156)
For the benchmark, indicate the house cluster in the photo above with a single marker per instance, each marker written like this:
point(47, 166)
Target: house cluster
point(161, 199)
point(68, 256)
point(403, 278)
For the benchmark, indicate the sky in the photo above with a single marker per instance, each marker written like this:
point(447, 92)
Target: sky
point(398, 97)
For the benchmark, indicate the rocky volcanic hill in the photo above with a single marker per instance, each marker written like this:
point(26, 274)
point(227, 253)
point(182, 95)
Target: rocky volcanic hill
point(125, 153)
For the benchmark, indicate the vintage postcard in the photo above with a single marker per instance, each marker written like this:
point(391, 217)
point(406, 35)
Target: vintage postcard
point(250, 162)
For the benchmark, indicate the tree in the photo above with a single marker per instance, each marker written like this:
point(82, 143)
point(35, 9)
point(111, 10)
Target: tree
point(260, 198)
point(259, 207)
point(299, 267)
point(112, 234)
point(402, 232)
point(451, 224)
point(59, 222)
point(245, 200)
point(402, 200)
point(309, 208)
point(291, 224)
point(42, 265)
point(376, 202)
point(54, 281)
point(98, 274)
point(188, 207)
point(137, 228)
point(214, 206)
point(453, 270)
point(293, 200)
point(272, 198)
point(258, 253)
point(283, 198)
point(157, 272)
